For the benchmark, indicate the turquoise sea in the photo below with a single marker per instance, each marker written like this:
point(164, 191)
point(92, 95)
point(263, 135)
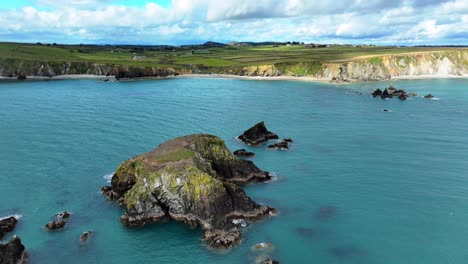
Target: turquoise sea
point(359, 185)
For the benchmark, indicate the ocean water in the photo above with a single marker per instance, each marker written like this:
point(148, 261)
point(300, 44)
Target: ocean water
point(358, 186)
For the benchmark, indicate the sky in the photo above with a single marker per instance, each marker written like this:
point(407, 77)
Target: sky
point(176, 22)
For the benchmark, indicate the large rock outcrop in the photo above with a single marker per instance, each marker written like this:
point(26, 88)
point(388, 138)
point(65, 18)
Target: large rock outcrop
point(194, 180)
point(13, 252)
point(257, 134)
point(7, 225)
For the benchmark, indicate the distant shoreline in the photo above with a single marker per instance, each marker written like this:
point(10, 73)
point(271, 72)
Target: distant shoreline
point(231, 76)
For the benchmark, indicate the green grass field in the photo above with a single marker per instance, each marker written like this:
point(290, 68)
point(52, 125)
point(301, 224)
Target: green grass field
point(230, 56)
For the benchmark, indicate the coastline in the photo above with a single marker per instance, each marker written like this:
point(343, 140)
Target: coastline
point(231, 76)
point(255, 78)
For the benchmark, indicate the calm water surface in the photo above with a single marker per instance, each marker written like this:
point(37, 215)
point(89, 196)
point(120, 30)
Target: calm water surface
point(393, 187)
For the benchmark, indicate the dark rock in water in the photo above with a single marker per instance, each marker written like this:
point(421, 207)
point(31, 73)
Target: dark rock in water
point(343, 253)
point(13, 252)
point(283, 145)
point(7, 225)
point(84, 236)
point(398, 93)
point(243, 153)
point(326, 212)
point(270, 261)
point(107, 190)
point(403, 96)
point(377, 92)
point(385, 110)
point(429, 96)
point(21, 77)
point(193, 180)
point(257, 135)
point(56, 224)
point(386, 94)
point(289, 140)
point(64, 215)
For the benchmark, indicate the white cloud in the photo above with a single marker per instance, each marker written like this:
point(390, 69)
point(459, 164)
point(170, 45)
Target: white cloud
point(378, 21)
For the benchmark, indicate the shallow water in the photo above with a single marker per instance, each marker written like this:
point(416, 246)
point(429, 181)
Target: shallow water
point(359, 185)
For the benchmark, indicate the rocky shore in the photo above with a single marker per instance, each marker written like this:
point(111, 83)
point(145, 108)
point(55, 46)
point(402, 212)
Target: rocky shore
point(194, 180)
point(13, 252)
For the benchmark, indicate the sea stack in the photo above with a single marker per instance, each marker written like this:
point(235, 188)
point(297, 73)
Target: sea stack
point(193, 179)
point(257, 135)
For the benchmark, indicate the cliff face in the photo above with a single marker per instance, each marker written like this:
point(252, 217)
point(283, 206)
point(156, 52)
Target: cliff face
point(438, 64)
point(15, 68)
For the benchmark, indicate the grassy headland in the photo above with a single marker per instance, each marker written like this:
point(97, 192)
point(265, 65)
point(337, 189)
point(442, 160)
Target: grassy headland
point(294, 60)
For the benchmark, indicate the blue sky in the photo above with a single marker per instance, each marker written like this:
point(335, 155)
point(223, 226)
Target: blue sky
point(406, 22)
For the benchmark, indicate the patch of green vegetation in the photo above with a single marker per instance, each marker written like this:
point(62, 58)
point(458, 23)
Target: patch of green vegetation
point(129, 170)
point(200, 184)
point(300, 69)
point(187, 182)
point(376, 60)
point(212, 148)
point(175, 155)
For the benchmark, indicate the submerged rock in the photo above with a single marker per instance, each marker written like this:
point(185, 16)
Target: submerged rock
point(13, 252)
point(7, 225)
point(377, 92)
point(429, 96)
point(191, 179)
point(326, 212)
point(257, 135)
point(56, 224)
point(263, 246)
point(243, 153)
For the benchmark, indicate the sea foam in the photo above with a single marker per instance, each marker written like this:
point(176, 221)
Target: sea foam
point(108, 177)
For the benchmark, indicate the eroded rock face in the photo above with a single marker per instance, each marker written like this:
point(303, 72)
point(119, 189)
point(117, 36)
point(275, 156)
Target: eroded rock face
point(13, 252)
point(194, 180)
point(7, 225)
point(257, 135)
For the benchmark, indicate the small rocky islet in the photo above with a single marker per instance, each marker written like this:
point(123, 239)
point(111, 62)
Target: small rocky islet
point(259, 134)
point(392, 92)
point(194, 180)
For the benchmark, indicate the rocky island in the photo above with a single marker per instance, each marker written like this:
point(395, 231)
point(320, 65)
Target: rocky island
point(195, 180)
